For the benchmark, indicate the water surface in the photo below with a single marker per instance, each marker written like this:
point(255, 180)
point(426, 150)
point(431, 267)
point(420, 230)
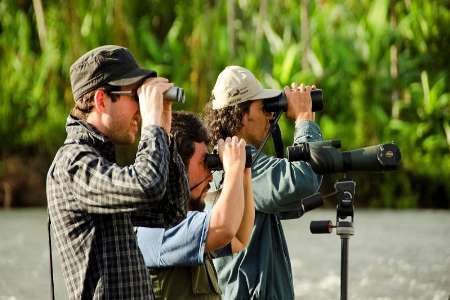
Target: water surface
point(393, 255)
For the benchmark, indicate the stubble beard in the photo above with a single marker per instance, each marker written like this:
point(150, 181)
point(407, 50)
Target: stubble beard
point(196, 204)
point(121, 136)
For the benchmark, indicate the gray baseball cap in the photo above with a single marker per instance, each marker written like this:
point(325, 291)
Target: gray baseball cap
point(109, 64)
point(236, 85)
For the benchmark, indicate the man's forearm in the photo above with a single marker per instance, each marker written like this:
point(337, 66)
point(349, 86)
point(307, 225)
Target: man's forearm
point(227, 212)
point(244, 232)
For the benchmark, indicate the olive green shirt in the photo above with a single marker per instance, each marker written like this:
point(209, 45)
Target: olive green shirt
point(193, 282)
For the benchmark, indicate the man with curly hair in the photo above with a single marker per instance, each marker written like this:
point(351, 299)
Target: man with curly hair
point(263, 269)
point(181, 256)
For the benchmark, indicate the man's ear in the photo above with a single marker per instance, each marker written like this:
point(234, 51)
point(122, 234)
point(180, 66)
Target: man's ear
point(244, 123)
point(100, 100)
point(244, 120)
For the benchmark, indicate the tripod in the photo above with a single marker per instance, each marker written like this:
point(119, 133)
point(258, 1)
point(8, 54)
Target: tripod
point(344, 192)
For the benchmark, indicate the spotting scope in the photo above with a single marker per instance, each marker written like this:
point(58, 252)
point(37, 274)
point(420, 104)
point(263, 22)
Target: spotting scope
point(326, 158)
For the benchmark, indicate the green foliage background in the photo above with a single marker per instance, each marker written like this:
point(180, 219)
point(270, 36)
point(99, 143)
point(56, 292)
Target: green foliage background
point(383, 66)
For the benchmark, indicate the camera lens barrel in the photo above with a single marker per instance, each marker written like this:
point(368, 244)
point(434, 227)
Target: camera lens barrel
point(175, 94)
point(280, 103)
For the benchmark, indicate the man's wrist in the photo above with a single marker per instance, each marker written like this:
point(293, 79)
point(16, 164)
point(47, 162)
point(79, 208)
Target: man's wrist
point(234, 171)
point(151, 121)
point(307, 116)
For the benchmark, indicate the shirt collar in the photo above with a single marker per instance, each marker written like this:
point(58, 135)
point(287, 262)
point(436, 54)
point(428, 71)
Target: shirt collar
point(81, 132)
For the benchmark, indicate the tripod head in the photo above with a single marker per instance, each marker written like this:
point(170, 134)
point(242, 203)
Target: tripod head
point(344, 193)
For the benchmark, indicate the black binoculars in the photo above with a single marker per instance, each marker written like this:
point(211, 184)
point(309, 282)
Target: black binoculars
point(175, 94)
point(213, 162)
point(279, 103)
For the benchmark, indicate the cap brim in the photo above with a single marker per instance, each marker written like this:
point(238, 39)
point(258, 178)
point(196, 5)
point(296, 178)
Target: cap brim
point(262, 95)
point(133, 77)
point(266, 94)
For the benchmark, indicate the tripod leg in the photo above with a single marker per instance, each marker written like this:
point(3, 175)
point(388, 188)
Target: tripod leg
point(344, 267)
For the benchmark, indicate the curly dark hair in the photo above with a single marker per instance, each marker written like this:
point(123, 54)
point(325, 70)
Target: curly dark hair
point(225, 122)
point(187, 129)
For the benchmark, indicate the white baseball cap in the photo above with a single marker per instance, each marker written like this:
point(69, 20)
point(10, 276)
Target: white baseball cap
point(235, 85)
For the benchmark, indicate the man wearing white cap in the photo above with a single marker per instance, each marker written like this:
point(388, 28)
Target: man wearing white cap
point(263, 270)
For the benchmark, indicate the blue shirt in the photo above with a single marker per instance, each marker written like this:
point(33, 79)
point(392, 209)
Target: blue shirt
point(263, 269)
point(181, 245)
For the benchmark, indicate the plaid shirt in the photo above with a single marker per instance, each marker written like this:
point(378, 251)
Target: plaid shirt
point(93, 204)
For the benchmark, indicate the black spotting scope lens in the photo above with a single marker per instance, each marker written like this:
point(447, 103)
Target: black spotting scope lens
point(279, 103)
point(325, 158)
point(175, 94)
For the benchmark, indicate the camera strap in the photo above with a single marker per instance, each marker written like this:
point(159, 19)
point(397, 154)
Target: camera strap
point(277, 141)
point(52, 283)
point(275, 131)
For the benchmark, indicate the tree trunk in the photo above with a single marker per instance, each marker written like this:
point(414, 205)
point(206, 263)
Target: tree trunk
point(8, 195)
point(395, 109)
point(262, 17)
point(40, 20)
point(305, 34)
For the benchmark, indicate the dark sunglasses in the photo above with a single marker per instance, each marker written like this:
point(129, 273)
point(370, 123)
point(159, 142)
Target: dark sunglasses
point(126, 93)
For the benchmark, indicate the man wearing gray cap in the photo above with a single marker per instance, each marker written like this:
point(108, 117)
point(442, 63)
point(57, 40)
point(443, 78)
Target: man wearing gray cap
point(93, 203)
point(263, 269)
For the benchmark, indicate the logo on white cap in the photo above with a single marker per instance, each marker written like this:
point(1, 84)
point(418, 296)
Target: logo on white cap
point(235, 85)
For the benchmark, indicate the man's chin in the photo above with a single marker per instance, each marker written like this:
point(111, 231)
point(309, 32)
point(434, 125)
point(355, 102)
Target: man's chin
point(124, 139)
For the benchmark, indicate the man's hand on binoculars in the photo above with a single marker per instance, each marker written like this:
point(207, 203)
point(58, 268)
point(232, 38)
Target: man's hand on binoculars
point(153, 109)
point(299, 102)
point(232, 153)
